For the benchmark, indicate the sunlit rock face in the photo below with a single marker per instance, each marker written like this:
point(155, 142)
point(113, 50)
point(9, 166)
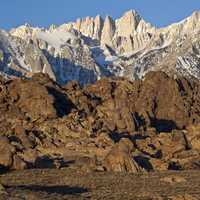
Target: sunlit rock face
point(112, 125)
point(92, 48)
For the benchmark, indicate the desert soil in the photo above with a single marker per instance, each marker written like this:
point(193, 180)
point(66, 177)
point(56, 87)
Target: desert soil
point(53, 184)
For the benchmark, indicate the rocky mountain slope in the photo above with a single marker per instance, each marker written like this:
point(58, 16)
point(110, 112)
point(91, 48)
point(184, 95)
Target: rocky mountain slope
point(92, 48)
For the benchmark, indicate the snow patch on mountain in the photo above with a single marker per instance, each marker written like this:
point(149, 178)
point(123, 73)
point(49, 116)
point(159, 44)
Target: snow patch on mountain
point(91, 48)
point(56, 38)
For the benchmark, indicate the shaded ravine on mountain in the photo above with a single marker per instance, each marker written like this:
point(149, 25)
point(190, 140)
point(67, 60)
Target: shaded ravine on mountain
point(93, 48)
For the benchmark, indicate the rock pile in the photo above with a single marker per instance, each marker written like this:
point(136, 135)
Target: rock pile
point(114, 124)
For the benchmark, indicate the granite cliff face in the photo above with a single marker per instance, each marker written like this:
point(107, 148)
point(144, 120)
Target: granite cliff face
point(92, 48)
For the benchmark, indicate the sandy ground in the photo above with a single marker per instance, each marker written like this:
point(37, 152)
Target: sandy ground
point(66, 183)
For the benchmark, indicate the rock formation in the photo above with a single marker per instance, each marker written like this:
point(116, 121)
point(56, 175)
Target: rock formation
point(101, 95)
point(92, 48)
point(119, 159)
point(108, 31)
point(114, 124)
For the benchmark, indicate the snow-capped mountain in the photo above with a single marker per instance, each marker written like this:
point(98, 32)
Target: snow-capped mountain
point(91, 48)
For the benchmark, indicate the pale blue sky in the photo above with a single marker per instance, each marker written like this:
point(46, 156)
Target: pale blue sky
point(45, 12)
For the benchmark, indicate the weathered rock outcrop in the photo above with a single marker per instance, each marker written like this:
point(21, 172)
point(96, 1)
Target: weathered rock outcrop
point(120, 159)
point(6, 151)
point(114, 124)
point(108, 31)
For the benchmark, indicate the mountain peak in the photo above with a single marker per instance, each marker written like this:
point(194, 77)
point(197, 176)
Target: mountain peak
point(108, 31)
point(104, 43)
point(98, 17)
point(108, 18)
point(196, 13)
point(128, 23)
point(131, 13)
point(195, 17)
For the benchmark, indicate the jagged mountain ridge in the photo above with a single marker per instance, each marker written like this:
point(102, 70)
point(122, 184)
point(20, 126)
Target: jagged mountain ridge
point(91, 48)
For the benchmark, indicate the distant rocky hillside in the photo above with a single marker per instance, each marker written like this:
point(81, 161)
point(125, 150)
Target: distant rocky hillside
point(112, 125)
point(92, 48)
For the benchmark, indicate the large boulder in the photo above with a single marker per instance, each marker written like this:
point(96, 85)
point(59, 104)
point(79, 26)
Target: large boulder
point(38, 99)
point(166, 102)
point(193, 136)
point(119, 159)
point(33, 99)
point(18, 163)
point(6, 151)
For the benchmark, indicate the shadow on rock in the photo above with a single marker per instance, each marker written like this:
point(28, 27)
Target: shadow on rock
point(143, 162)
point(116, 137)
point(163, 125)
point(62, 190)
point(46, 162)
point(3, 170)
point(62, 104)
